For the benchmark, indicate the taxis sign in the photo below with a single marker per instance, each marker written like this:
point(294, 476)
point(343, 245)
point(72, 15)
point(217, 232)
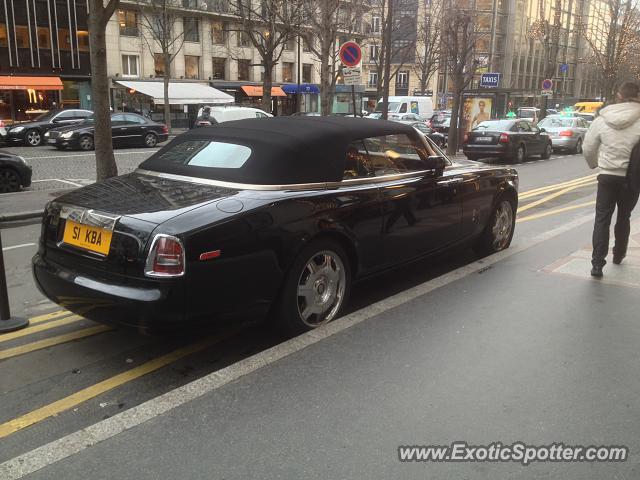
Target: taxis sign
point(490, 80)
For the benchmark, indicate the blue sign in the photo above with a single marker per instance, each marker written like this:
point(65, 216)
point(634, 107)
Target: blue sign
point(490, 80)
point(564, 68)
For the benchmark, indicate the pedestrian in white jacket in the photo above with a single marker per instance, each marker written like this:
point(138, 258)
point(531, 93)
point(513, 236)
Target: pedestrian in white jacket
point(608, 145)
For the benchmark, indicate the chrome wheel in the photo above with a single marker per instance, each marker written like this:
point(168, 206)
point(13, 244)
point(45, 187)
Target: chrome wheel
point(150, 140)
point(503, 224)
point(548, 151)
point(520, 154)
point(9, 181)
point(579, 146)
point(33, 138)
point(321, 288)
point(86, 142)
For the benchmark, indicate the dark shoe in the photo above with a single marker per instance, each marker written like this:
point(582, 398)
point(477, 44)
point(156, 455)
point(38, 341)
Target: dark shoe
point(617, 259)
point(596, 271)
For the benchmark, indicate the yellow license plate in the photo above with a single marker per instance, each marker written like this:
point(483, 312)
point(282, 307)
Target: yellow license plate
point(94, 239)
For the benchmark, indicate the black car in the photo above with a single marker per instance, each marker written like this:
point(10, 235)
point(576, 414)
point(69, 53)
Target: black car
point(14, 172)
point(32, 133)
point(279, 215)
point(438, 138)
point(513, 140)
point(127, 129)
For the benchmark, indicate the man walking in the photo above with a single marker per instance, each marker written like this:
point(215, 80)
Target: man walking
point(608, 145)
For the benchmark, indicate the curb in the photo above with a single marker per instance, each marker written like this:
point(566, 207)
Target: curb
point(13, 217)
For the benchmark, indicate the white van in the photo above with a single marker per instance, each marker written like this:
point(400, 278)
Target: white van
point(421, 106)
point(220, 114)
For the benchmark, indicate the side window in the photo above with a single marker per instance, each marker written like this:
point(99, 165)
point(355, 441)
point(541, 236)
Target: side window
point(393, 154)
point(403, 108)
point(119, 118)
point(260, 115)
point(534, 128)
point(357, 163)
point(69, 115)
point(81, 114)
point(133, 119)
point(524, 127)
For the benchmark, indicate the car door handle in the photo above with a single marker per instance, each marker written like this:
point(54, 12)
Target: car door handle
point(451, 181)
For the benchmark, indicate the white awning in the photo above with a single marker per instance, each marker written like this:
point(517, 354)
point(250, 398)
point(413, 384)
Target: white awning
point(180, 93)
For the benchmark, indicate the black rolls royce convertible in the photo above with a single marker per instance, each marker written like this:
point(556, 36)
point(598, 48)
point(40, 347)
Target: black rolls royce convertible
point(278, 216)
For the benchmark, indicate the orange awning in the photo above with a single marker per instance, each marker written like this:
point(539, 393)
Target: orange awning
point(27, 83)
point(253, 91)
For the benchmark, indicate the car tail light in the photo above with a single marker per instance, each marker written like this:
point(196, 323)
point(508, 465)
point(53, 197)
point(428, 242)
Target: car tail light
point(165, 129)
point(466, 138)
point(566, 133)
point(504, 138)
point(166, 257)
point(1, 124)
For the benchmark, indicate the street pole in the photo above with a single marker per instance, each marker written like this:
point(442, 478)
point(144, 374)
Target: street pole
point(7, 322)
point(298, 93)
point(353, 96)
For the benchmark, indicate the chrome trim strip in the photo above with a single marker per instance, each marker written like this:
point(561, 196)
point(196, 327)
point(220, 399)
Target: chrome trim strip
point(15, 35)
point(26, 4)
point(286, 187)
point(89, 217)
point(75, 19)
point(35, 22)
point(55, 15)
point(53, 55)
point(6, 15)
point(73, 60)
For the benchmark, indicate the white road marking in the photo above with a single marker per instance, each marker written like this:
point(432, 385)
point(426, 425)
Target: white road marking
point(80, 440)
point(89, 154)
point(69, 182)
point(13, 247)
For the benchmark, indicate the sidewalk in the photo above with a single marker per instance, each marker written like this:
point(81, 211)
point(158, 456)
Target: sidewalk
point(533, 351)
point(27, 204)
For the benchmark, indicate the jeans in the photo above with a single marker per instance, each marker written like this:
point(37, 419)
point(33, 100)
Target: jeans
point(612, 191)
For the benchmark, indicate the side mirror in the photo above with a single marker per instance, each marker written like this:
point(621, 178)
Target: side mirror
point(542, 130)
point(436, 163)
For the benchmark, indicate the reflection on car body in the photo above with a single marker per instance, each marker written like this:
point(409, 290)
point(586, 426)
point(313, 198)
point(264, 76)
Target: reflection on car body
point(276, 215)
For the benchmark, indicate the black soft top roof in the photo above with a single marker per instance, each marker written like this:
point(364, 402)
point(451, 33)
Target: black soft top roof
point(285, 150)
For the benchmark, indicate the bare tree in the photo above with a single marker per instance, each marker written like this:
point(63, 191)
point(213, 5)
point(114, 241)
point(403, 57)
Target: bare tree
point(459, 37)
point(611, 34)
point(99, 14)
point(428, 43)
point(159, 19)
point(268, 25)
point(326, 20)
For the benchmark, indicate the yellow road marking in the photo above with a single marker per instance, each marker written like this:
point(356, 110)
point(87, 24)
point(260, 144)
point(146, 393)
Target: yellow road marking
point(555, 211)
point(50, 342)
point(88, 393)
point(539, 191)
point(526, 207)
point(5, 337)
point(49, 316)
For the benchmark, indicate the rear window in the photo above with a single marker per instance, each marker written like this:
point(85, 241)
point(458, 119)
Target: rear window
point(206, 153)
point(556, 122)
point(495, 125)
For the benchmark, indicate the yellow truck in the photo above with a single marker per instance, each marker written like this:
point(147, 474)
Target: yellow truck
point(587, 107)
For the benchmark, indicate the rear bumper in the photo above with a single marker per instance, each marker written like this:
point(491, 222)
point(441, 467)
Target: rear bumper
point(564, 142)
point(147, 306)
point(481, 151)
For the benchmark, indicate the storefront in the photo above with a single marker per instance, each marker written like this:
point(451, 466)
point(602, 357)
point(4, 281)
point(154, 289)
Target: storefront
point(252, 97)
point(343, 100)
point(147, 98)
point(23, 98)
point(306, 93)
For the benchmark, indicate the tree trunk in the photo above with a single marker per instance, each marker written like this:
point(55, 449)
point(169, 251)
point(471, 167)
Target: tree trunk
point(325, 79)
point(387, 60)
point(165, 79)
point(452, 143)
point(105, 161)
point(266, 85)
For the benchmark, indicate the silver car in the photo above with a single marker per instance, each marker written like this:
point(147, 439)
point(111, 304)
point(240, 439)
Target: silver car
point(566, 133)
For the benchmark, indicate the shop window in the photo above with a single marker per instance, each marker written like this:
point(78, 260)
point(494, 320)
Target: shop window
point(64, 40)
point(306, 73)
point(191, 30)
point(191, 66)
point(287, 71)
point(83, 41)
point(3, 35)
point(130, 65)
point(44, 41)
point(243, 69)
point(158, 64)
point(128, 21)
point(217, 33)
point(219, 68)
point(22, 36)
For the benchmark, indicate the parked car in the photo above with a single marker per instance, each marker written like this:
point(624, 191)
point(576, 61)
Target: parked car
point(441, 125)
point(587, 117)
point(513, 140)
point(210, 115)
point(438, 138)
point(15, 173)
point(529, 113)
point(277, 215)
point(398, 105)
point(127, 129)
point(566, 133)
point(32, 133)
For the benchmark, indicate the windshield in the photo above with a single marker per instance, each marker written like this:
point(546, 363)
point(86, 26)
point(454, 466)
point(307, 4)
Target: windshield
point(527, 113)
point(551, 122)
point(44, 116)
point(393, 106)
point(495, 125)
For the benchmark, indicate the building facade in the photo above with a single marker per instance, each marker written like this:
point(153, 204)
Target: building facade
point(44, 57)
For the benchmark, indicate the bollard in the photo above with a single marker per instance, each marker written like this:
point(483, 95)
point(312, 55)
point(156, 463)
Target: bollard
point(7, 322)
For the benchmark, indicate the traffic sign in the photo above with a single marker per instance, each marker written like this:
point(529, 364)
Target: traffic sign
point(351, 75)
point(564, 67)
point(547, 93)
point(490, 80)
point(350, 54)
point(547, 84)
